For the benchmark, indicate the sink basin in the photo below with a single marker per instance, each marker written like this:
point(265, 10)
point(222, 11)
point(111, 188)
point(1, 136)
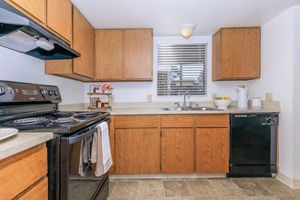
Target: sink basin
point(191, 109)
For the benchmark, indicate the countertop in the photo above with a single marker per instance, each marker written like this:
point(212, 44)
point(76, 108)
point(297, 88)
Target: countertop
point(140, 108)
point(160, 111)
point(22, 141)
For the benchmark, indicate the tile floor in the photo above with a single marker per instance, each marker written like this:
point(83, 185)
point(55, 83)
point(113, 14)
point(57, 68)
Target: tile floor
point(201, 189)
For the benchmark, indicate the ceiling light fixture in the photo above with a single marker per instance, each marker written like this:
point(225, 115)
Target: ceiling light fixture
point(186, 30)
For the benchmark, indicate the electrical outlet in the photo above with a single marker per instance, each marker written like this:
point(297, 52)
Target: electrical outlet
point(269, 96)
point(149, 98)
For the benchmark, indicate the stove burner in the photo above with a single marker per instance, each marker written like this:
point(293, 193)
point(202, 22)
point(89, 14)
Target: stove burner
point(31, 121)
point(62, 114)
point(64, 120)
point(86, 114)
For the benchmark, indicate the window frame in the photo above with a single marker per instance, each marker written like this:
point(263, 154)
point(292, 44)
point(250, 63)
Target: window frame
point(206, 65)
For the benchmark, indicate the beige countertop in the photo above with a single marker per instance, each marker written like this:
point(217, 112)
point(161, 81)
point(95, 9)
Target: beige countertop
point(156, 108)
point(22, 141)
point(160, 111)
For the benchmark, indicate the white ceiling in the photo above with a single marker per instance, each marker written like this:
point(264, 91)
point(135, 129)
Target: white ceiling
point(166, 16)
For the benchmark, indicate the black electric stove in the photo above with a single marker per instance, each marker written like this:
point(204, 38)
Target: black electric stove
point(34, 107)
point(63, 123)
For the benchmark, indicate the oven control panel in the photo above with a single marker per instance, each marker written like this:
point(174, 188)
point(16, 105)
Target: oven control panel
point(49, 92)
point(12, 92)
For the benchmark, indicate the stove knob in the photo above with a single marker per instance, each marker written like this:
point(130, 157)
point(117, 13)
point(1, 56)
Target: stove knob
point(44, 92)
point(50, 92)
point(2, 90)
point(56, 93)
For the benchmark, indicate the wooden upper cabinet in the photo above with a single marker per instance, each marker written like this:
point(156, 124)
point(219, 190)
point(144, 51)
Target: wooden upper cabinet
point(109, 54)
point(138, 51)
point(236, 54)
point(59, 17)
point(36, 9)
point(124, 54)
point(83, 42)
point(81, 68)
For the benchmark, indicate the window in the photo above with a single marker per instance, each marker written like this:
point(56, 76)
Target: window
point(181, 68)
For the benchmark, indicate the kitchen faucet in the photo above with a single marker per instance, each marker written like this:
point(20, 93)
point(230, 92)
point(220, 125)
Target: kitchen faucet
point(184, 99)
point(184, 106)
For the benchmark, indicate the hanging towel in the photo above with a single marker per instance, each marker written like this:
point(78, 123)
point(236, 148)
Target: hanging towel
point(101, 153)
point(85, 156)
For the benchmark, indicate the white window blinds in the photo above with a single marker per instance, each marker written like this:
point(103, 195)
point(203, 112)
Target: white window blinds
point(181, 68)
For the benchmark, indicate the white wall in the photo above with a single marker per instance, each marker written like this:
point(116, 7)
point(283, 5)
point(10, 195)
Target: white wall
point(15, 66)
point(137, 91)
point(280, 75)
point(296, 92)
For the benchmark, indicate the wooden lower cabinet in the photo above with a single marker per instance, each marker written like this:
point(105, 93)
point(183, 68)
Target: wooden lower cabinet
point(137, 151)
point(38, 192)
point(170, 144)
point(178, 150)
point(212, 150)
point(20, 175)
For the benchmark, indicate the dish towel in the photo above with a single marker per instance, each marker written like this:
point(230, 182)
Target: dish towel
point(101, 153)
point(85, 156)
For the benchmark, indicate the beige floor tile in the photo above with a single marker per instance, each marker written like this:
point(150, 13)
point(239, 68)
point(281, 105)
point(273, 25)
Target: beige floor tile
point(125, 189)
point(201, 188)
point(289, 198)
point(205, 198)
point(174, 188)
point(252, 187)
point(112, 198)
point(277, 188)
point(222, 184)
point(263, 198)
point(150, 189)
point(111, 187)
point(231, 194)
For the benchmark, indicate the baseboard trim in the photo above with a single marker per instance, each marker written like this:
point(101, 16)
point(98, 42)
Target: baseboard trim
point(166, 176)
point(292, 183)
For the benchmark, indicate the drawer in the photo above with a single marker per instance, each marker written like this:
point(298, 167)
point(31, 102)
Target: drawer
point(22, 171)
point(177, 121)
point(136, 121)
point(212, 121)
point(38, 192)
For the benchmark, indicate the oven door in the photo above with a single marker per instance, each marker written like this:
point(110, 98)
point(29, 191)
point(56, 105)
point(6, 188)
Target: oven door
point(72, 185)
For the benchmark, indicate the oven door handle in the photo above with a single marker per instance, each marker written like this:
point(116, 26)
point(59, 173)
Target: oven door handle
point(76, 138)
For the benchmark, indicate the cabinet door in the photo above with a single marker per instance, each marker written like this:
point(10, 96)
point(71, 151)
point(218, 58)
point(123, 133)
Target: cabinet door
point(138, 53)
point(109, 55)
point(177, 150)
point(137, 151)
point(240, 53)
point(36, 8)
point(212, 150)
point(19, 172)
point(83, 42)
point(59, 17)
point(38, 192)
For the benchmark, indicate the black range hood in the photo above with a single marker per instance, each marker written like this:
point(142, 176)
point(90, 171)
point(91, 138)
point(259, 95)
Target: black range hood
point(19, 33)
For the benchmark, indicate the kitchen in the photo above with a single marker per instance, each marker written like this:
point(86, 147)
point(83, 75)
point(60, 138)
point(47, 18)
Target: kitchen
point(166, 81)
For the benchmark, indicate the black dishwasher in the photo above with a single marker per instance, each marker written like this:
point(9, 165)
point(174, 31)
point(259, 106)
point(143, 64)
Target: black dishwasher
point(253, 145)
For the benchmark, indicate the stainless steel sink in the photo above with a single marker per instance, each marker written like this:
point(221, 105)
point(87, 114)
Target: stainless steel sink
point(190, 109)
